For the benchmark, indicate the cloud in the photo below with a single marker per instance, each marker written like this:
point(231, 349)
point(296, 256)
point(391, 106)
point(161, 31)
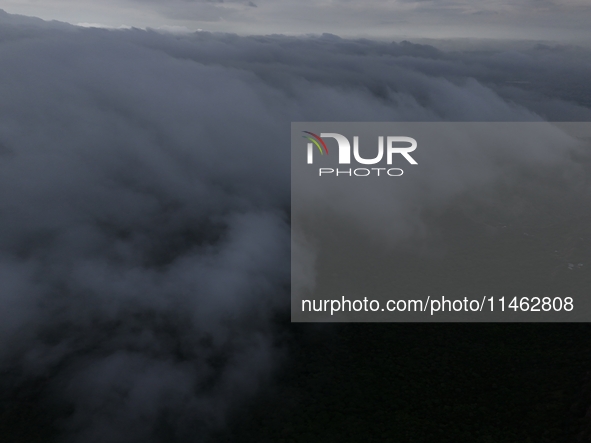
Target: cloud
point(556, 20)
point(144, 191)
point(565, 20)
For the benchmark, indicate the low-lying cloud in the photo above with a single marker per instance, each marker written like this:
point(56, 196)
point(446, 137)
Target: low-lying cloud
point(144, 237)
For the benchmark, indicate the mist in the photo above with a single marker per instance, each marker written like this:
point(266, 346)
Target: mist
point(145, 192)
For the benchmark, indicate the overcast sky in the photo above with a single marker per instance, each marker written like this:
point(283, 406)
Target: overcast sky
point(520, 19)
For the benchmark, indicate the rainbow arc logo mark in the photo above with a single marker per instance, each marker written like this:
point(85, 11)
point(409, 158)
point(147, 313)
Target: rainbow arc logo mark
point(316, 139)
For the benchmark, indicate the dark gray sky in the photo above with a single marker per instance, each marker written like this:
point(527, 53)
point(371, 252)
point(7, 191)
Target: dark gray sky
point(521, 19)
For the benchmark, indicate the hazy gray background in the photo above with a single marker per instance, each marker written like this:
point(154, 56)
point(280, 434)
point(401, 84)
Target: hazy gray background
point(144, 199)
point(507, 19)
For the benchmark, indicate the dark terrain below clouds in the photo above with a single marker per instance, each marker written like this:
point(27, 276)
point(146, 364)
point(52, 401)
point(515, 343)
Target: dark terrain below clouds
point(144, 201)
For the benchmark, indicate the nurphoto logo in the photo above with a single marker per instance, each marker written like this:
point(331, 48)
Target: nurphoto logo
point(394, 145)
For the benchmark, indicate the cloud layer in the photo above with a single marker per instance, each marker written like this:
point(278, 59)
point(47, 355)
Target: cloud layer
point(565, 20)
point(144, 238)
